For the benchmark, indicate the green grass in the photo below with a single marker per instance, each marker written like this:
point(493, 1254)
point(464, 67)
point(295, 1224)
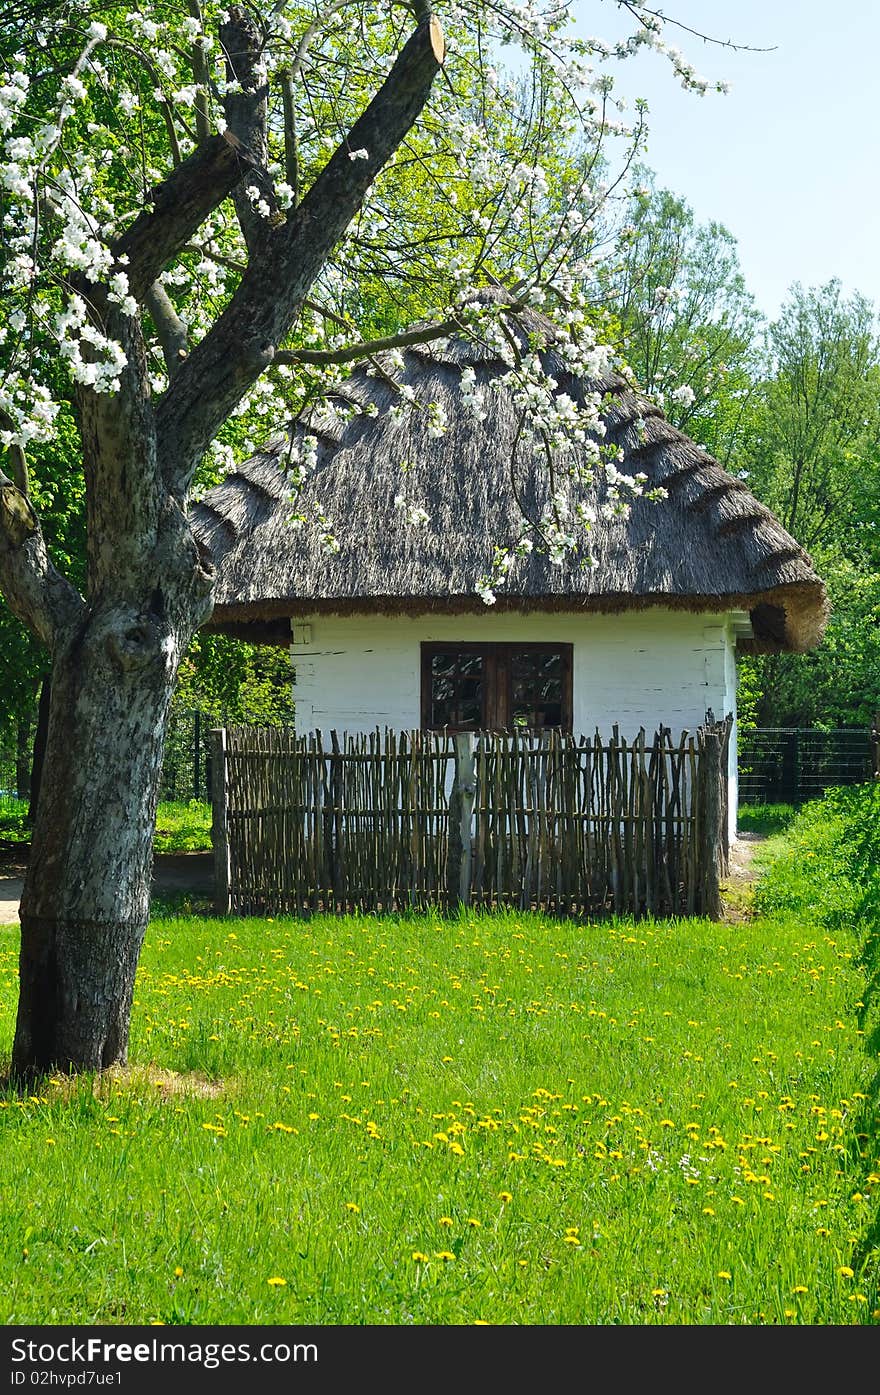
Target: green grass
point(180, 826)
point(13, 819)
point(183, 827)
point(498, 1118)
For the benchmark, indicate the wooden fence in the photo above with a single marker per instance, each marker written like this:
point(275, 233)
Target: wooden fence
point(399, 820)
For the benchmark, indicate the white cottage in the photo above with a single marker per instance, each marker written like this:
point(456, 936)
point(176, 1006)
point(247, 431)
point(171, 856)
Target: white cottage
point(388, 630)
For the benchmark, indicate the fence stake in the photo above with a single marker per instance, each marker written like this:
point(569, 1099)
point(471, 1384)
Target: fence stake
point(219, 822)
point(713, 812)
point(461, 814)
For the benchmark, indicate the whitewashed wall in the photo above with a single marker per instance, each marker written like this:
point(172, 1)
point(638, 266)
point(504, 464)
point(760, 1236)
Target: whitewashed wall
point(637, 668)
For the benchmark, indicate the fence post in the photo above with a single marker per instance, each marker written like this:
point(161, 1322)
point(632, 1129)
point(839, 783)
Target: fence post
point(713, 808)
point(220, 823)
point(461, 813)
point(197, 752)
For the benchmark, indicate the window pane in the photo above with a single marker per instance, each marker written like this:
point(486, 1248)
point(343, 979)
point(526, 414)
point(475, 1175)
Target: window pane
point(536, 688)
point(443, 663)
point(470, 714)
point(441, 714)
point(457, 688)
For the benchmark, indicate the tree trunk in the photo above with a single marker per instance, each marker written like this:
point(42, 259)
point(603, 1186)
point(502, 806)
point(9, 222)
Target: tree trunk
point(86, 898)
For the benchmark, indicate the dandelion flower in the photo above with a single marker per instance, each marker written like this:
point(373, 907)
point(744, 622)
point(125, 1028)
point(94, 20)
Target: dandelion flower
point(444, 1254)
point(723, 1274)
point(845, 1272)
point(419, 1257)
point(445, 1220)
point(352, 1206)
point(505, 1196)
point(799, 1288)
point(276, 1282)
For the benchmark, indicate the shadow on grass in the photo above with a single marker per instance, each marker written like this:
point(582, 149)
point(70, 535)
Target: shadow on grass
point(764, 819)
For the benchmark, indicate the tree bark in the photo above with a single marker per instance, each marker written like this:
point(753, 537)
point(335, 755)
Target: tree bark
point(39, 752)
point(86, 897)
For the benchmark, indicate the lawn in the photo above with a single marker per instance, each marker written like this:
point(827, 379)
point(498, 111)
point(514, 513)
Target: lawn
point(498, 1118)
point(181, 826)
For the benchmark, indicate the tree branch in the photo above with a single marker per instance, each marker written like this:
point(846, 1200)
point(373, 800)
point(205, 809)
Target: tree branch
point(34, 589)
point(170, 329)
point(247, 111)
point(202, 77)
point(17, 458)
point(124, 494)
point(180, 205)
point(349, 353)
point(243, 342)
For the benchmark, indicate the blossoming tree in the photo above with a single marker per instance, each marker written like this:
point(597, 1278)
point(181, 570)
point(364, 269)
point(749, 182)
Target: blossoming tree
point(196, 204)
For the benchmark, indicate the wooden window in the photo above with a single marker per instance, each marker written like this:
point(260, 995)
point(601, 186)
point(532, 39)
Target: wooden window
point(472, 687)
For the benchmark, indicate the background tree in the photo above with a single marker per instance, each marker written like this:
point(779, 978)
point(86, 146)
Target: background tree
point(814, 457)
point(687, 324)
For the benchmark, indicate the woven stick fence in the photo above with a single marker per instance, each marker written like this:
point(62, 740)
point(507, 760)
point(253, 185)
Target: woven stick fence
point(396, 820)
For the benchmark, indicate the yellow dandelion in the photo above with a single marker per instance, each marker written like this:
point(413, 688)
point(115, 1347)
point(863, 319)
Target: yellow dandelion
point(723, 1274)
point(799, 1288)
point(419, 1257)
point(845, 1272)
point(352, 1206)
point(276, 1281)
point(472, 1221)
point(738, 1200)
point(707, 1211)
point(658, 1293)
point(790, 1313)
point(178, 1272)
point(571, 1240)
point(444, 1255)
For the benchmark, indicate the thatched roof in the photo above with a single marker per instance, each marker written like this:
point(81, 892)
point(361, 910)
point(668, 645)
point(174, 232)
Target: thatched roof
point(710, 546)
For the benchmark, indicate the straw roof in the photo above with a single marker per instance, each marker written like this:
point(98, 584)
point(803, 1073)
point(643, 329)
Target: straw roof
point(709, 546)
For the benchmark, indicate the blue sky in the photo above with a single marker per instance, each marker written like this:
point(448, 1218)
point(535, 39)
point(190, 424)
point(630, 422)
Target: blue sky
point(788, 160)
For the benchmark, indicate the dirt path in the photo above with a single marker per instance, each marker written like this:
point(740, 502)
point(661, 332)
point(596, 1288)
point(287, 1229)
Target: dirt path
point(737, 886)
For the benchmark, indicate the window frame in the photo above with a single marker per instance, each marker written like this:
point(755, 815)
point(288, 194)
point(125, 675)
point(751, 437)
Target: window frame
point(496, 658)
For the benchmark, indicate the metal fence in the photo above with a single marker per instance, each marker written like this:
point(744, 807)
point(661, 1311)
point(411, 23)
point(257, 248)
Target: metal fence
point(788, 765)
point(393, 820)
point(186, 772)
